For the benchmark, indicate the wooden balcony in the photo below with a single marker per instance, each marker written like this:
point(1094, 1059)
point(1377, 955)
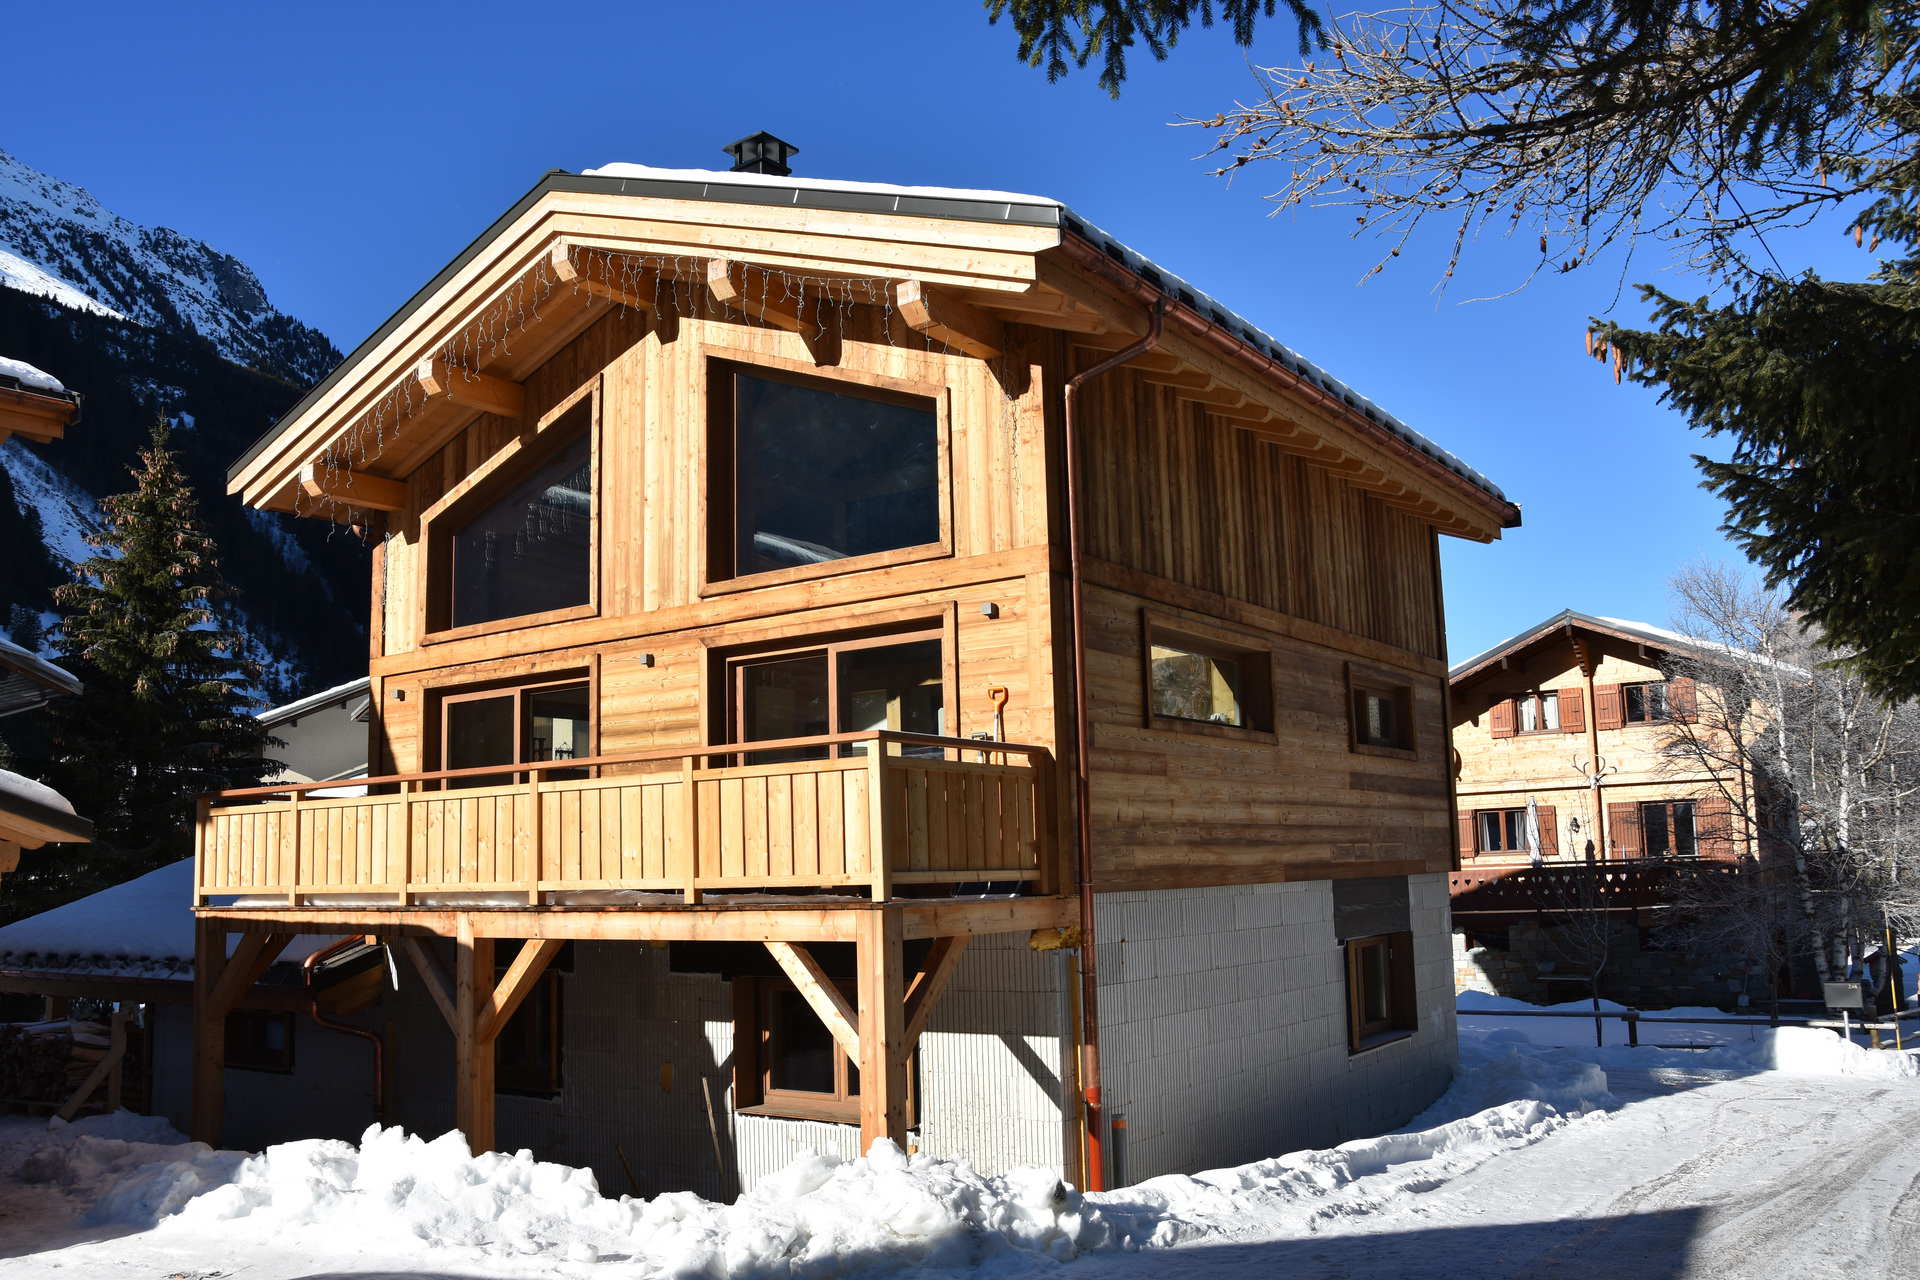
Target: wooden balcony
point(901, 810)
point(1577, 886)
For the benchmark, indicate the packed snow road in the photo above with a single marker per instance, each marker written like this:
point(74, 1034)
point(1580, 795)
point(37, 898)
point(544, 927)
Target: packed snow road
point(1783, 1153)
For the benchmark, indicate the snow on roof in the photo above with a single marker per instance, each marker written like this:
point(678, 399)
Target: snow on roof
point(1006, 206)
point(314, 702)
point(29, 377)
point(28, 680)
point(141, 928)
point(15, 787)
point(728, 178)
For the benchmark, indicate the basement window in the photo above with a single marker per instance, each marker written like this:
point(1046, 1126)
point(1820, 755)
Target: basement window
point(1380, 990)
point(786, 1062)
point(812, 472)
point(259, 1040)
point(527, 1053)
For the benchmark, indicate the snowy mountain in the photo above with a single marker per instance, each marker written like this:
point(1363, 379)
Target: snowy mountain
point(59, 242)
point(147, 323)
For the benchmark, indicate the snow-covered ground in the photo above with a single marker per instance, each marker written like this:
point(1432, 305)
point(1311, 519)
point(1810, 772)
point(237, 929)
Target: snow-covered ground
point(1542, 1160)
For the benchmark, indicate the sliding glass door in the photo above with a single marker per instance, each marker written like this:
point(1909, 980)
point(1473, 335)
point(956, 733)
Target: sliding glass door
point(877, 682)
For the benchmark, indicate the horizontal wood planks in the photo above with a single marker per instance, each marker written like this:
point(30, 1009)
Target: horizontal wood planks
point(1176, 807)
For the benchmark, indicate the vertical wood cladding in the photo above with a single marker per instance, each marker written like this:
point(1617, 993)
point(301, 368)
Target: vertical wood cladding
point(1178, 493)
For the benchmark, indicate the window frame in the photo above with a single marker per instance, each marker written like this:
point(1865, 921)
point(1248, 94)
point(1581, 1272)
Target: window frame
point(753, 1093)
point(733, 663)
point(279, 1065)
point(439, 698)
point(1505, 812)
point(488, 483)
point(1402, 1012)
point(1538, 697)
point(1211, 639)
point(717, 514)
point(549, 985)
point(1626, 702)
point(1669, 828)
point(1381, 683)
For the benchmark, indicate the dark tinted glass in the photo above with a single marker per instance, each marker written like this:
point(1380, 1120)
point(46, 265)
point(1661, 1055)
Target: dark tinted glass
point(784, 698)
point(480, 731)
point(896, 686)
point(530, 551)
point(823, 475)
point(802, 1049)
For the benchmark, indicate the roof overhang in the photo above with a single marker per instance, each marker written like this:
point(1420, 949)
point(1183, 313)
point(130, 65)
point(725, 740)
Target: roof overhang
point(955, 265)
point(1566, 623)
point(35, 414)
point(30, 824)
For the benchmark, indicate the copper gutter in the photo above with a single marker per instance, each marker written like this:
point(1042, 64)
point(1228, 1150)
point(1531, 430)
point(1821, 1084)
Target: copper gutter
point(372, 1037)
point(1095, 1176)
point(1089, 258)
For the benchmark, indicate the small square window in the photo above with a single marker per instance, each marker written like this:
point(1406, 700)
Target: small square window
point(1380, 990)
point(1645, 703)
point(1380, 711)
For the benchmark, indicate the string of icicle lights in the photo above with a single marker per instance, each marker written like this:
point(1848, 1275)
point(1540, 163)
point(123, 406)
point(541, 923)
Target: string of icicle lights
point(825, 307)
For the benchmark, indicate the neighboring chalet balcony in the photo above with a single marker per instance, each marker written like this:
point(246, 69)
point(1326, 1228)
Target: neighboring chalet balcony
point(873, 815)
point(1581, 886)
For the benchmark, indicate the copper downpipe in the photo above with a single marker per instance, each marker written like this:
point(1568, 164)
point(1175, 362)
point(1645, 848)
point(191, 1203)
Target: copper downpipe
point(372, 1037)
point(1096, 1176)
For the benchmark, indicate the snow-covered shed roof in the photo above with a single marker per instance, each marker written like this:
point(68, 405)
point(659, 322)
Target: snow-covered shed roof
point(879, 197)
point(33, 814)
point(28, 680)
point(337, 695)
point(23, 376)
point(141, 928)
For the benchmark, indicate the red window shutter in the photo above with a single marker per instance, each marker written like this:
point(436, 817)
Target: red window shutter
point(1682, 703)
point(1573, 711)
point(1623, 827)
point(1713, 827)
point(1503, 718)
point(1467, 849)
point(1549, 831)
point(1608, 710)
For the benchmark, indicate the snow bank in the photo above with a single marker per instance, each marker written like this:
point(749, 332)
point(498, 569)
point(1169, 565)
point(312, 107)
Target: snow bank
point(819, 1216)
point(147, 1169)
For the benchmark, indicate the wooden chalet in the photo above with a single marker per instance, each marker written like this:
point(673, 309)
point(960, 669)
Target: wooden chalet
point(1571, 716)
point(751, 554)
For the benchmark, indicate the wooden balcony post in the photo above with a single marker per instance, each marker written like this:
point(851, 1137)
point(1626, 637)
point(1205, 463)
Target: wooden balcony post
point(290, 849)
point(880, 835)
point(883, 1067)
point(1046, 843)
point(689, 830)
point(406, 841)
point(536, 842)
point(202, 823)
point(472, 1054)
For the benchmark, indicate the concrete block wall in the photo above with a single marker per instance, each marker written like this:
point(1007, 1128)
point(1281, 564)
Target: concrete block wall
point(1223, 1015)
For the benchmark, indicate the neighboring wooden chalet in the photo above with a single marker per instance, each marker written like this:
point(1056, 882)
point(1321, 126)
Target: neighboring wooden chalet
point(751, 552)
point(1570, 716)
point(33, 406)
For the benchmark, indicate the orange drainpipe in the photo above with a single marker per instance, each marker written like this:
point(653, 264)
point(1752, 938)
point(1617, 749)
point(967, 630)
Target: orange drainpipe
point(371, 1037)
point(1096, 1175)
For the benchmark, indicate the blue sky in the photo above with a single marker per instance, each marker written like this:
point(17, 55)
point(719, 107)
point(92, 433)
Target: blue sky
point(348, 150)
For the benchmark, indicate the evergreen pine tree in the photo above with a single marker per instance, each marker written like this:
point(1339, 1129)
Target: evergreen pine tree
point(165, 713)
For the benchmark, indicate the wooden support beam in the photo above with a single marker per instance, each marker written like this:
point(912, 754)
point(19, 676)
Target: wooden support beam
point(431, 978)
point(732, 285)
point(943, 958)
point(575, 267)
point(883, 1068)
point(472, 1057)
point(946, 319)
point(218, 982)
point(516, 985)
point(353, 488)
point(470, 388)
point(821, 995)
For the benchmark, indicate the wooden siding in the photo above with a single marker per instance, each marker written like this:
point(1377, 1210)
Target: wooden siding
point(1179, 807)
point(1175, 492)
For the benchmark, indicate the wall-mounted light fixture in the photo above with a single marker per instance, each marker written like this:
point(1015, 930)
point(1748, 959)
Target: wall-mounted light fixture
point(989, 610)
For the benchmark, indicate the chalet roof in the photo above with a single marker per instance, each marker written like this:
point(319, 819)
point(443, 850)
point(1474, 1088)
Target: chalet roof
point(1644, 633)
point(340, 693)
point(872, 197)
point(28, 681)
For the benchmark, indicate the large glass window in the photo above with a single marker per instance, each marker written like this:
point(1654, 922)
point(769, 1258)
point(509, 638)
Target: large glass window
point(530, 550)
point(824, 471)
point(1204, 680)
point(886, 682)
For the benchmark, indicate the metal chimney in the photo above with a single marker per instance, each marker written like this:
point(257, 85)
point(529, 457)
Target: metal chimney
point(761, 153)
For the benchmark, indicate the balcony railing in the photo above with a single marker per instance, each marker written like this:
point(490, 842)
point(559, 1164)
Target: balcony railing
point(1580, 886)
point(901, 809)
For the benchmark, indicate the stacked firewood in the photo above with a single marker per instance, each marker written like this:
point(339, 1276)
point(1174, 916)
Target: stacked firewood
point(47, 1061)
